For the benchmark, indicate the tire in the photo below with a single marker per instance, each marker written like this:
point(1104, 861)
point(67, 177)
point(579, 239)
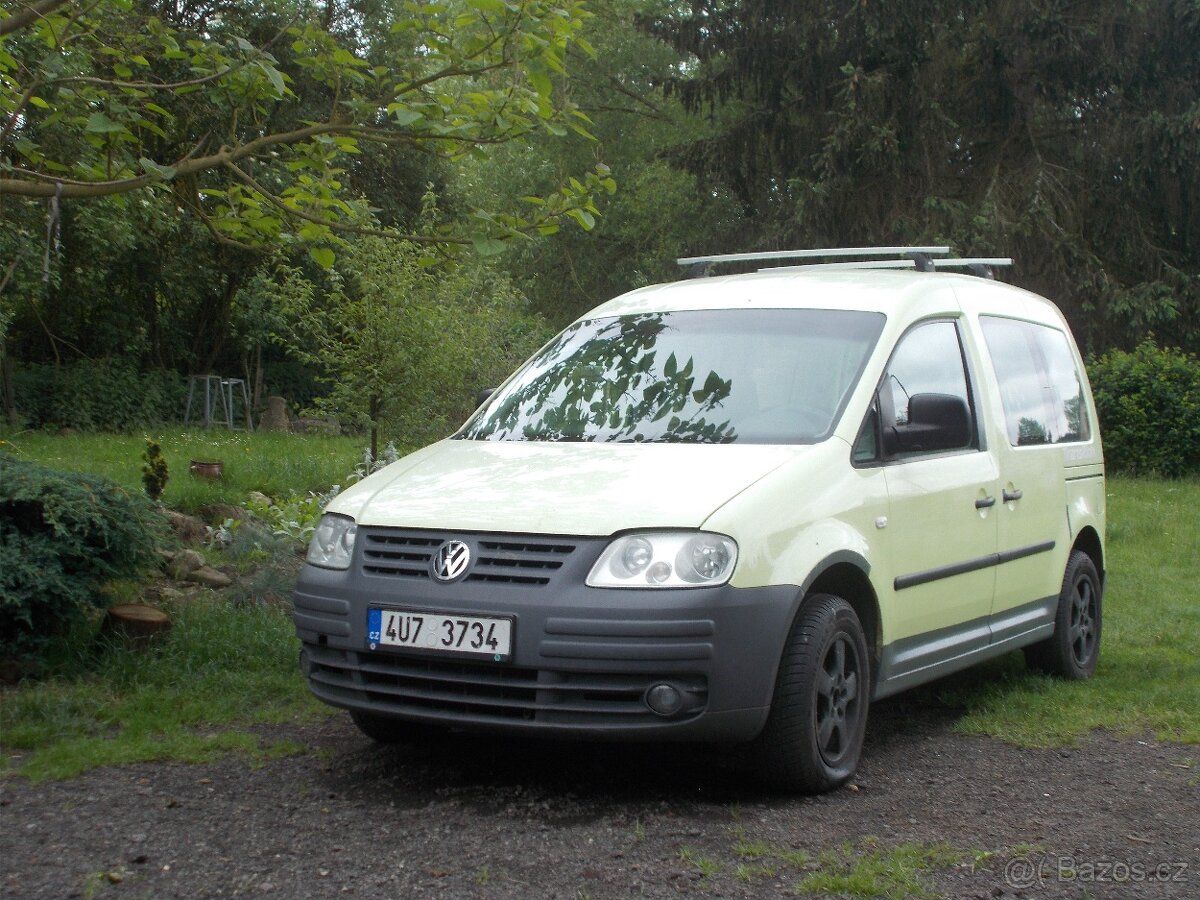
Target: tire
point(814, 731)
point(1071, 652)
point(389, 730)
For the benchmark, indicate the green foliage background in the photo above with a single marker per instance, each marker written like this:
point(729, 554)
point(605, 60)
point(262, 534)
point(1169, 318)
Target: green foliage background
point(1068, 141)
point(1148, 402)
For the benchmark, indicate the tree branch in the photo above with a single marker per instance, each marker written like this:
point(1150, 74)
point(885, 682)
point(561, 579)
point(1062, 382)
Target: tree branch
point(275, 201)
point(29, 14)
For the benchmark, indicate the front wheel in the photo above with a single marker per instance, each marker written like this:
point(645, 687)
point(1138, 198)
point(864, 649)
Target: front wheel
point(814, 732)
point(1071, 652)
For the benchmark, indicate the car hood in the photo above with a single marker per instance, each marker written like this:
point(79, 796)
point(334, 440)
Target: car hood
point(558, 488)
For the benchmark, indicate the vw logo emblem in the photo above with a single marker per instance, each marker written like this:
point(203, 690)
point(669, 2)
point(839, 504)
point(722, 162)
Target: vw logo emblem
point(451, 561)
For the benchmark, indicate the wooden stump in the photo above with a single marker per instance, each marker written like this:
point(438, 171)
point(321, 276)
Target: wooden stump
point(136, 623)
point(276, 417)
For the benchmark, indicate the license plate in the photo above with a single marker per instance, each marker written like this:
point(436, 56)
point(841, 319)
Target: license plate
point(476, 636)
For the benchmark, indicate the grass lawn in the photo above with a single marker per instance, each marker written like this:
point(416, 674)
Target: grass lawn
point(1148, 678)
point(271, 462)
point(227, 666)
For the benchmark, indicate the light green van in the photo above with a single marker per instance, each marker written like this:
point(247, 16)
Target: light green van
point(734, 509)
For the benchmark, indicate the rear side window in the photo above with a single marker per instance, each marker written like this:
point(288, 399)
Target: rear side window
point(1040, 385)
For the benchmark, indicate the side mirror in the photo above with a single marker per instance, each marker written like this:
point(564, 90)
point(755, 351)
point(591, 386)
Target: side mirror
point(482, 397)
point(935, 422)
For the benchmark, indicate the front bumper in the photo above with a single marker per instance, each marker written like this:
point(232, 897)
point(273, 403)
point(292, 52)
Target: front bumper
point(583, 658)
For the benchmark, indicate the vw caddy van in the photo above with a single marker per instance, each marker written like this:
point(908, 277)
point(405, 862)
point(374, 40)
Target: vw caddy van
point(733, 509)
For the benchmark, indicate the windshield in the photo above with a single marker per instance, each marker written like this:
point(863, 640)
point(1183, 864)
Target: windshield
point(760, 376)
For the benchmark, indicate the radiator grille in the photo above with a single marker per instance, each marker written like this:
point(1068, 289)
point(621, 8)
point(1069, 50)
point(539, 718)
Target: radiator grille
point(524, 561)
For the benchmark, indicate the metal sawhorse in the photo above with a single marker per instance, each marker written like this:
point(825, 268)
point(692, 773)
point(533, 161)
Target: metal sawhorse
point(219, 400)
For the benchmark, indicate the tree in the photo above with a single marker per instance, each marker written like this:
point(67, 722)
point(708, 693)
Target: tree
point(661, 211)
point(250, 115)
point(403, 345)
point(1063, 135)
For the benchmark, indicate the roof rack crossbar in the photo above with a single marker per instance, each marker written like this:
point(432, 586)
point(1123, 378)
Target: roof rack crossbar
point(965, 263)
point(828, 253)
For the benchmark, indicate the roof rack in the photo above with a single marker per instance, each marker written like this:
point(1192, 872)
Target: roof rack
point(828, 253)
point(985, 262)
point(923, 259)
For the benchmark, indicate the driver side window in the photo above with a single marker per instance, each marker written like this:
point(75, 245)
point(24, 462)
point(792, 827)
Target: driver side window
point(924, 402)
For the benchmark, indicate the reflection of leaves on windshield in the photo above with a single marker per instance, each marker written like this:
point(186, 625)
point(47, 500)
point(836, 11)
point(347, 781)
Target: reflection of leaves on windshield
point(603, 381)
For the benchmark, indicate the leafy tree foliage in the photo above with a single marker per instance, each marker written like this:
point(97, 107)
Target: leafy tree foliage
point(404, 346)
point(250, 115)
point(1061, 134)
point(659, 212)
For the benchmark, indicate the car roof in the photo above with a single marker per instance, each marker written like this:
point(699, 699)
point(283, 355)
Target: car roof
point(896, 293)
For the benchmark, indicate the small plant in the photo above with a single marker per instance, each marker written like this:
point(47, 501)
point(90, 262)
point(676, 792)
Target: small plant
point(63, 536)
point(871, 871)
point(706, 866)
point(370, 464)
point(752, 849)
point(154, 472)
point(296, 517)
point(749, 873)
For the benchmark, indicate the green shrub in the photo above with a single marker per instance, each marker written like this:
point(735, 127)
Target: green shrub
point(106, 395)
point(1148, 402)
point(62, 536)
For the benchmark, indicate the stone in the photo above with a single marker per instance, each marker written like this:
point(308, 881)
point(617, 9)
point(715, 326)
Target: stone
point(186, 562)
point(188, 529)
point(210, 577)
point(316, 426)
point(276, 416)
point(217, 513)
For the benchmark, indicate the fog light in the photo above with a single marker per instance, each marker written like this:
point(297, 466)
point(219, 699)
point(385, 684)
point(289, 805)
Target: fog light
point(664, 699)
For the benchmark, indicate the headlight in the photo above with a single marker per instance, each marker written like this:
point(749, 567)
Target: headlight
point(332, 543)
point(670, 559)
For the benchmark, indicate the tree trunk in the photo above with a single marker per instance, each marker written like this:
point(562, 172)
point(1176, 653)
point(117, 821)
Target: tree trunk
point(373, 412)
point(210, 329)
point(6, 383)
point(136, 623)
point(256, 397)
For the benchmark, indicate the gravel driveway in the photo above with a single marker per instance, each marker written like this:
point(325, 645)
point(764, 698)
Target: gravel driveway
point(467, 816)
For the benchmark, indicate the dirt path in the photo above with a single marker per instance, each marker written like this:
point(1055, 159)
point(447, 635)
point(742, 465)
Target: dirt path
point(480, 817)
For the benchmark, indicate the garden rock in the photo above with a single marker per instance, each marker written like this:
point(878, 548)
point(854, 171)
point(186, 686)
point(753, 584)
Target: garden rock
point(316, 426)
point(188, 529)
point(209, 577)
point(218, 513)
point(185, 562)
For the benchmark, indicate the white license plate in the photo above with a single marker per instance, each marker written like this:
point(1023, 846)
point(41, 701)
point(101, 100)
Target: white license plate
point(444, 632)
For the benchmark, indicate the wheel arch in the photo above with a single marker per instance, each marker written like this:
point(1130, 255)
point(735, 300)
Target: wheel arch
point(1088, 541)
point(846, 575)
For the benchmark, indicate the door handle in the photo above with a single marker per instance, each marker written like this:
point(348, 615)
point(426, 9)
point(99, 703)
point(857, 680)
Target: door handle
point(985, 503)
point(1015, 494)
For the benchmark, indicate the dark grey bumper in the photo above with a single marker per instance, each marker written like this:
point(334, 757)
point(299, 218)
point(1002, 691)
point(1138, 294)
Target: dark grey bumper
point(583, 658)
